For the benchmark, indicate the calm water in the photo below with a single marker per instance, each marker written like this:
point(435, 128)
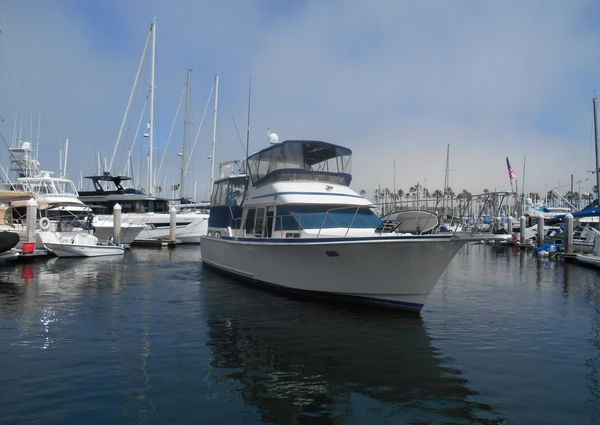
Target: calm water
point(156, 338)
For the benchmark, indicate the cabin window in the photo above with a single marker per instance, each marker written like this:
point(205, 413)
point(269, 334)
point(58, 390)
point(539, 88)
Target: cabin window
point(218, 189)
point(235, 192)
point(229, 192)
point(213, 196)
point(249, 227)
point(260, 221)
point(296, 217)
point(270, 216)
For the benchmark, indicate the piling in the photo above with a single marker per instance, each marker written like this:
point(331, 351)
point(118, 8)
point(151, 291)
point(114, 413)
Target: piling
point(173, 224)
point(117, 223)
point(523, 238)
point(31, 219)
point(510, 225)
point(569, 242)
point(540, 231)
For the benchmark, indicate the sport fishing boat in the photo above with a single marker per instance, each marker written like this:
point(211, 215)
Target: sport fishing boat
point(57, 198)
point(290, 221)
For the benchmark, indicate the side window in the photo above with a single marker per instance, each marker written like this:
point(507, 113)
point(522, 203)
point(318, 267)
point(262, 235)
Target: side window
point(222, 198)
point(260, 221)
point(269, 229)
point(213, 198)
point(249, 227)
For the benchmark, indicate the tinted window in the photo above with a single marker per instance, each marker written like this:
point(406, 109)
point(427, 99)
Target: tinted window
point(250, 221)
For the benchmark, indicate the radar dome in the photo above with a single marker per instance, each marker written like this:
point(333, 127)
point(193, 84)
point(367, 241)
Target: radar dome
point(273, 138)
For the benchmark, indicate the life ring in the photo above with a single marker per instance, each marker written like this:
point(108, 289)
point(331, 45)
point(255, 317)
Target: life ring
point(44, 223)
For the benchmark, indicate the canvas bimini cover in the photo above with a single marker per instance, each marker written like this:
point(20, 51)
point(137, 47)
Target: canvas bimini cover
point(301, 159)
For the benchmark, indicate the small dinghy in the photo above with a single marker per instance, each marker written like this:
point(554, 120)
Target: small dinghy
point(417, 222)
point(78, 244)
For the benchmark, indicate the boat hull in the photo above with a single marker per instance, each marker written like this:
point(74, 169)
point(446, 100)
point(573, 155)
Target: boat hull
point(191, 227)
point(398, 272)
point(65, 250)
point(591, 260)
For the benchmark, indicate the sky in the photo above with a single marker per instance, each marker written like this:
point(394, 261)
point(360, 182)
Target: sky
point(395, 81)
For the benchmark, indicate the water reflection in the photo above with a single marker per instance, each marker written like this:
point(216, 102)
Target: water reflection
point(303, 361)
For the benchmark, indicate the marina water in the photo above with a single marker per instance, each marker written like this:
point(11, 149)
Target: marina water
point(155, 337)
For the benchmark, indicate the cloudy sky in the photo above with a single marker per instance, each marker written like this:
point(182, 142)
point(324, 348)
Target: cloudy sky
point(396, 81)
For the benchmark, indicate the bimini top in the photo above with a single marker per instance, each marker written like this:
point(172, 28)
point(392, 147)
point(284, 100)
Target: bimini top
point(301, 160)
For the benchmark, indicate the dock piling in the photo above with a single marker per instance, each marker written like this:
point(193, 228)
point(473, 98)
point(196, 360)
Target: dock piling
point(523, 224)
point(31, 219)
point(540, 231)
point(173, 224)
point(117, 223)
point(569, 244)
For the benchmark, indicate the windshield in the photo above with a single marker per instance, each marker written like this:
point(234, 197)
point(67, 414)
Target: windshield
point(298, 217)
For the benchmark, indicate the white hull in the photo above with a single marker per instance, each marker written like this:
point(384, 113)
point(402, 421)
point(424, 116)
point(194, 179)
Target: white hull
point(399, 272)
point(191, 226)
point(65, 250)
point(76, 244)
point(104, 231)
point(589, 259)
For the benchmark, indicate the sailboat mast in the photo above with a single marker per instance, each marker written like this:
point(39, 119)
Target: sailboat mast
point(595, 102)
point(524, 195)
point(446, 178)
point(214, 135)
point(186, 122)
point(64, 173)
point(150, 188)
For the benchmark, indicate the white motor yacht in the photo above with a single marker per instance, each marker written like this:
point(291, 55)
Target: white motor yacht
point(292, 222)
point(138, 209)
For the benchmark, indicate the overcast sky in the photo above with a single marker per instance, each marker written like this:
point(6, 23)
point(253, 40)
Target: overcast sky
point(391, 80)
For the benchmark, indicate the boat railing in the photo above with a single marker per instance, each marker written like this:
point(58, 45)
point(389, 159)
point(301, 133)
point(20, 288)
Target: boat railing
point(339, 209)
point(288, 230)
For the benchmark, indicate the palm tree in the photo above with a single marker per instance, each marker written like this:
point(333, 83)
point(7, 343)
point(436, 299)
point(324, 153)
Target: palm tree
point(400, 195)
point(535, 197)
point(426, 195)
point(437, 194)
point(450, 193)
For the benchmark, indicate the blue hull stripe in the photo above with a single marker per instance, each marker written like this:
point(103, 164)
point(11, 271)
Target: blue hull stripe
point(398, 305)
point(307, 193)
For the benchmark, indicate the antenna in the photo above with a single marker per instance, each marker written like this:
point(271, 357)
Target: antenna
point(238, 135)
point(248, 128)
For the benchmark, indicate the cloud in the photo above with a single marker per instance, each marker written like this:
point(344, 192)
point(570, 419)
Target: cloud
point(388, 79)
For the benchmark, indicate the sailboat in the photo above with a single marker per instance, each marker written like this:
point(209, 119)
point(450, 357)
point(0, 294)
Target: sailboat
point(139, 207)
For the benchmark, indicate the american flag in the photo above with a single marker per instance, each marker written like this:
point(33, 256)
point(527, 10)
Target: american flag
point(511, 172)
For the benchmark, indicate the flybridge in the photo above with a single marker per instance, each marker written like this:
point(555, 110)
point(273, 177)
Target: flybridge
point(301, 160)
point(107, 177)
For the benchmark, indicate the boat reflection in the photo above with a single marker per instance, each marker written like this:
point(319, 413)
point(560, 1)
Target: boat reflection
point(303, 361)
